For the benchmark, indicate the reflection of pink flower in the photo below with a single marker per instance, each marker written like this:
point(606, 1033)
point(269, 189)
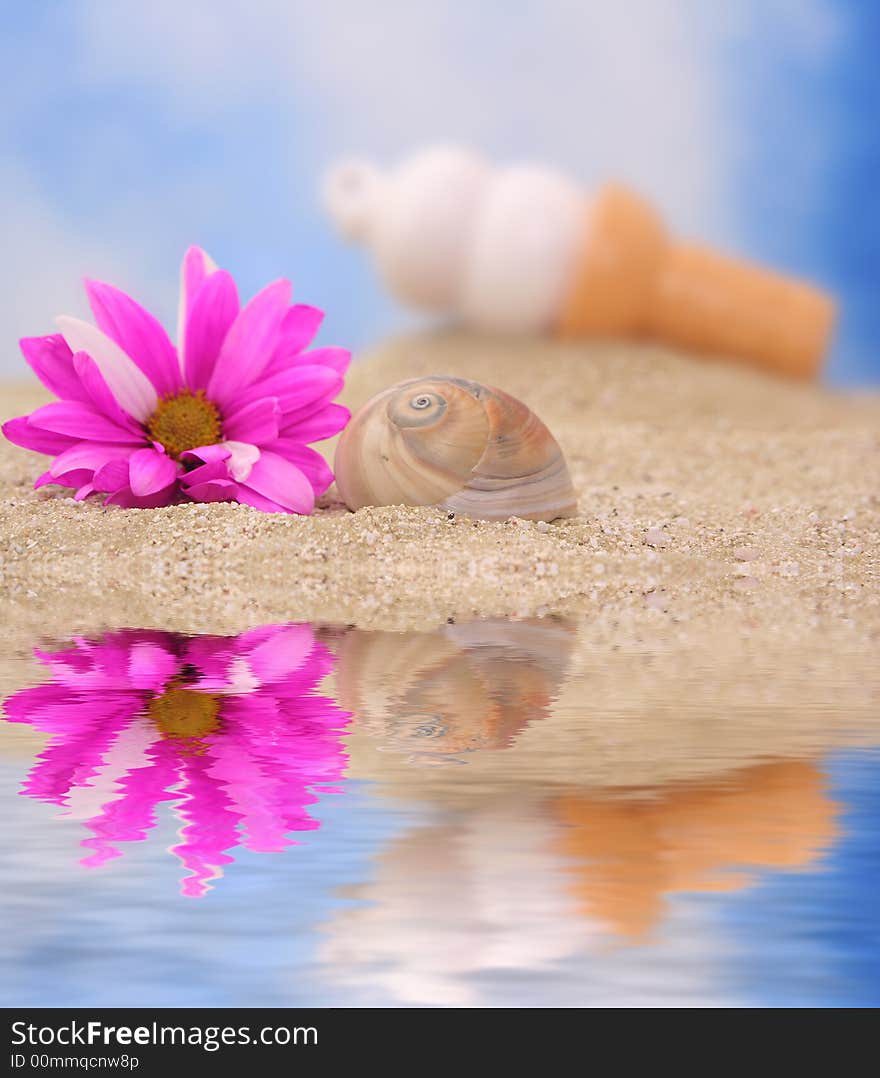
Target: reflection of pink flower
point(230, 728)
point(225, 416)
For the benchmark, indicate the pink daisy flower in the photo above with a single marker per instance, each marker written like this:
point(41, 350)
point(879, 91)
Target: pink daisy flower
point(230, 730)
point(225, 416)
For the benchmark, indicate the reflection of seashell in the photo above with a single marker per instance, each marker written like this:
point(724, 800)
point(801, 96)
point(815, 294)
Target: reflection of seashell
point(457, 444)
point(464, 687)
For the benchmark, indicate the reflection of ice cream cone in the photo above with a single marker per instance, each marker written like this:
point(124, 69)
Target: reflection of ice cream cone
point(523, 250)
point(632, 852)
point(632, 279)
point(445, 903)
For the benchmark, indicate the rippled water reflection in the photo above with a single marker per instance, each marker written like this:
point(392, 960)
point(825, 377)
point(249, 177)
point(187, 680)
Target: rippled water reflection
point(465, 824)
point(230, 731)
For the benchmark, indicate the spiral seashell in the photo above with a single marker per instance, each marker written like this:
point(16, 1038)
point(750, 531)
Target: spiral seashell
point(457, 444)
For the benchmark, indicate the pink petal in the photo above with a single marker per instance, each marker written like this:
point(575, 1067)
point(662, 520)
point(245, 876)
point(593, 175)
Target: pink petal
point(227, 460)
point(82, 421)
point(309, 461)
point(284, 651)
point(242, 458)
point(127, 382)
point(337, 359)
point(282, 482)
point(298, 328)
point(150, 666)
point(89, 455)
point(111, 476)
point(212, 313)
point(217, 490)
point(197, 265)
point(256, 423)
point(210, 827)
point(321, 424)
point(20, 432)
point(78, 757)
point(246, 496)
point(249, 343)
point(72, 478)
point(218, 469)
point(296, 387)
point(129, 500)
point(98, 393)
point(130, 814)
point(150, 471)
point(138, 333)
point(208, 453)
point(51, 360)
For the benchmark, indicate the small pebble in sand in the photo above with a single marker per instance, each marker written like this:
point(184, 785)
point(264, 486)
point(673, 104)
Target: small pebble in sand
point(656, 537)
point(746, 553)
point(656, 600)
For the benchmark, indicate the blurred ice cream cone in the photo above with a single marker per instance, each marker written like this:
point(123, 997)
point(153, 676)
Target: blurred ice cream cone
point(632, 279)
point(524, 250)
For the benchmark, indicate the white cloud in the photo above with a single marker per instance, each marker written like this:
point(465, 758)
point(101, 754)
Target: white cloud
point(47, 253)
point(600, 89)
point(44, 263)
point(638, 90)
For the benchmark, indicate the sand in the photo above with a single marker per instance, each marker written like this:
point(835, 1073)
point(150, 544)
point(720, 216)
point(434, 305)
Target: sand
point(718, 593)
point(704, 489)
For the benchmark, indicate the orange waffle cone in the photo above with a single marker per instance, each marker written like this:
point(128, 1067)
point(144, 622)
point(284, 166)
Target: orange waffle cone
point(624, 245)
point(633, 280)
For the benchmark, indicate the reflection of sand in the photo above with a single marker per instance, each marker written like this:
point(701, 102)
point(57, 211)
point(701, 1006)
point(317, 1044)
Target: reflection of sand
point(637, 715)
point(631, 852)
point(570, 709)
point(524, 884)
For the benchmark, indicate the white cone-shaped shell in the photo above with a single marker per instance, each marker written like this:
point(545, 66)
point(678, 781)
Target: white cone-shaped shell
point(452, 235)
point(457, 444)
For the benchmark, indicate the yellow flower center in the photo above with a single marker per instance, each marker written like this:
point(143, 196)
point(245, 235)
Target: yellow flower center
point(185, 713)
point(184, 421)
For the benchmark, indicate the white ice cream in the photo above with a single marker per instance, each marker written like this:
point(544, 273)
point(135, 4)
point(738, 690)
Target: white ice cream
point(452, 235)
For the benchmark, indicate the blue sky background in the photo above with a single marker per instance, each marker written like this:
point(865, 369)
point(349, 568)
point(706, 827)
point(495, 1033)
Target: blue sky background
point(128, 131)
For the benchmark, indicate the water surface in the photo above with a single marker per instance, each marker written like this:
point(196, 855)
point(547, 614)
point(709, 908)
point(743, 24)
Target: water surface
point(497, 813)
